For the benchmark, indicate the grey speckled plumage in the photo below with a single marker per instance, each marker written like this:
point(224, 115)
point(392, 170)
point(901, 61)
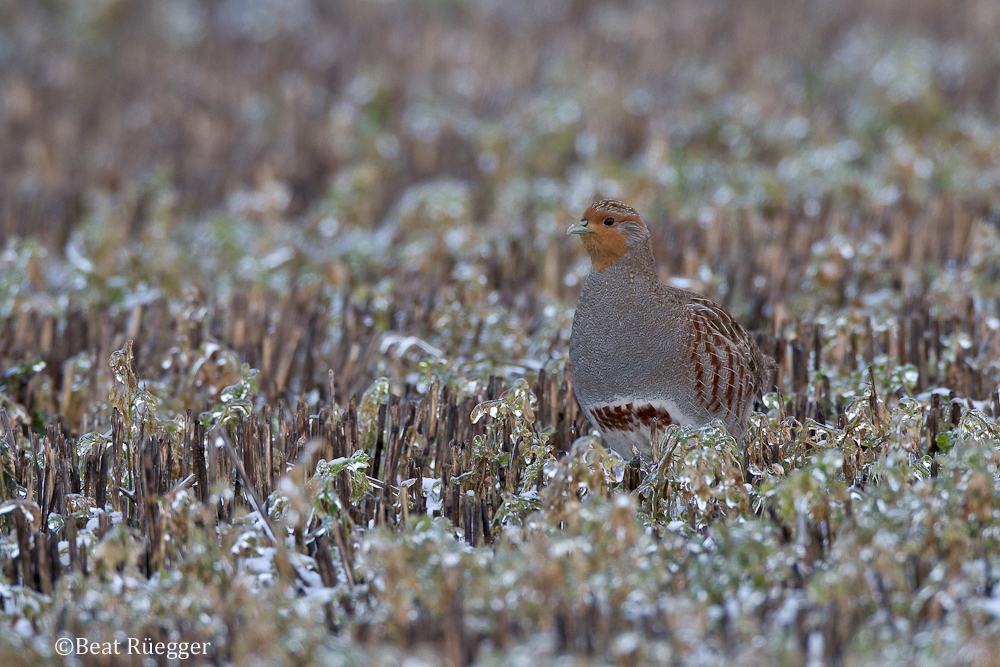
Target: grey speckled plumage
point(645, 355)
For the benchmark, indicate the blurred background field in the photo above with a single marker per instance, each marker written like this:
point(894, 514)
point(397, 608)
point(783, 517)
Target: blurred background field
point(344, 428)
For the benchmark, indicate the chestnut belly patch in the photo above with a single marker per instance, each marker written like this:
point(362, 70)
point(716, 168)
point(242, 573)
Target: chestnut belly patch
point(631, 416)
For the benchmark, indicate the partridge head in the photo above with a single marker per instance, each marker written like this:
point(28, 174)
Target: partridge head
point(609, 230)
point(645, 355)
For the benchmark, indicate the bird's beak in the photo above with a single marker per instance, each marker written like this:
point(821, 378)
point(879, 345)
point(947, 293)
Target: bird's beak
point(579, 228)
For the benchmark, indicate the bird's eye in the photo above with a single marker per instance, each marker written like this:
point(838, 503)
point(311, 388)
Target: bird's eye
point(609, 221)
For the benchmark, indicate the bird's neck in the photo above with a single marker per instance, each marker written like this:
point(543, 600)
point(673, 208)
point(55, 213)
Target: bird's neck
point(635, 264)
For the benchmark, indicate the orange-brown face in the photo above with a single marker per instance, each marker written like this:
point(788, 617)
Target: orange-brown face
point(605, 230)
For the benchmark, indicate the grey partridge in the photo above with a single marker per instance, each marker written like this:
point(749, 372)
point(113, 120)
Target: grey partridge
point(645, 355)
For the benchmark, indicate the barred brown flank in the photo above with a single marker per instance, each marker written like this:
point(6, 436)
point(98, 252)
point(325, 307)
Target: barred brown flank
point(714, 333)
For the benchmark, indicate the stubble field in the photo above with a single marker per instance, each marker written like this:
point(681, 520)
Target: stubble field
point(285, 301)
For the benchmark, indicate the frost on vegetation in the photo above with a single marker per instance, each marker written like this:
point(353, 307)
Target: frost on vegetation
point(356, 466)
point(237, 400)
point(511, 435)
point(432, 261)
point(377, 394)
point(135, 403)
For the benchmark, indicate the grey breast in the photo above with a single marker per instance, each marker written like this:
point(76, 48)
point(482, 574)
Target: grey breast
point(623, 342)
